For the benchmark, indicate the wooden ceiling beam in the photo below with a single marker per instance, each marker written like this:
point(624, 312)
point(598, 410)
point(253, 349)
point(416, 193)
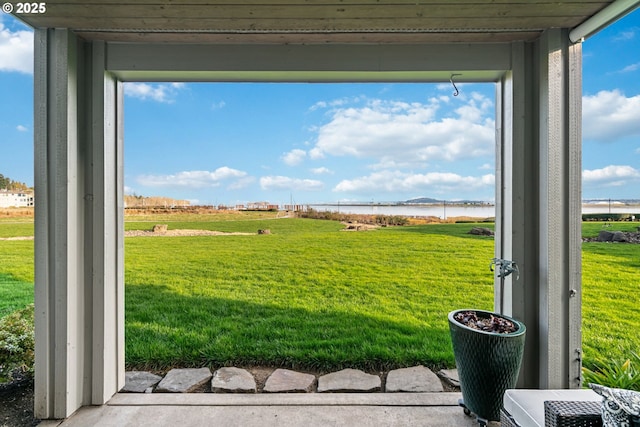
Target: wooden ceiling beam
point(314, 21)
point(311, 38)
point(313, 12)
point(204, 24)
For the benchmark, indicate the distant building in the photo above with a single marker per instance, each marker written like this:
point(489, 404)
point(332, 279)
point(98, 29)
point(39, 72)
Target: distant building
point(10, 199)
point(153, 202)
point(295, 208)
point(261, 206)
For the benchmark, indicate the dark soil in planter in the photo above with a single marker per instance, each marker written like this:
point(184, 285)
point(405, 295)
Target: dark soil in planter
point(492, 323)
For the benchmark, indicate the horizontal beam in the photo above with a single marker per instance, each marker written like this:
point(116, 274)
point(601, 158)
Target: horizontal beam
point(310, 15)
point(605, 17)
point(348, 63)
point(305, 77)
point(310, 38)
point(214, 24)
point(304, 11)
point(167, 3)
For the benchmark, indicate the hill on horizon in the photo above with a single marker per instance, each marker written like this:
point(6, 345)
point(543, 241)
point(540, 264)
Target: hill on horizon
point(423, 200)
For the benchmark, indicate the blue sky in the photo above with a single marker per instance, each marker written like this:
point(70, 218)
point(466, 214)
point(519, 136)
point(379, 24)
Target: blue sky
point(232, 143)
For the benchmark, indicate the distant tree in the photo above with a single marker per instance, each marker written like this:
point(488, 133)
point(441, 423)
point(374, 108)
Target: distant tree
point(18, 186)
point(7, 183)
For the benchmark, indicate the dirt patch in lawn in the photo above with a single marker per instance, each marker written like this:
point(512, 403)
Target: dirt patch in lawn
point(359, 226)
point(167, 233)
point(182, 233)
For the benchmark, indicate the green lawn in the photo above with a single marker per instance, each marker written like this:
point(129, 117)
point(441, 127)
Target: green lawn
point(611, 295)
point(308, 295)
point(14, 294)
point(16, 228)
point(16, 273)
point(311, 296)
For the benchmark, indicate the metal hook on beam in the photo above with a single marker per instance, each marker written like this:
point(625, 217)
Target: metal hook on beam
point(457, 92)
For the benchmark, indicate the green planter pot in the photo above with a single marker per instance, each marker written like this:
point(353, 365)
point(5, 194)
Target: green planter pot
point(488, 363)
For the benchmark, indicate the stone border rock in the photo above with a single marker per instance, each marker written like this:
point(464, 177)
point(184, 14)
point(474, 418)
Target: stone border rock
point(349, 380)
point(286, 381)
point(184, 381)
point(417, 379)
point(233, 380)
point(140, 382)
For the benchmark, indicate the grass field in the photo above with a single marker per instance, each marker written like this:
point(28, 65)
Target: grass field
point(611, 296)
point(311, 296)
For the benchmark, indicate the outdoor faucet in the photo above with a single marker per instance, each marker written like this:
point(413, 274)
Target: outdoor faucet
point(506, 267)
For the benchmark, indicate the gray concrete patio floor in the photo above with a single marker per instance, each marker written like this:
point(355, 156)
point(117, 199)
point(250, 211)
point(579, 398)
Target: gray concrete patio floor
point(264, 410)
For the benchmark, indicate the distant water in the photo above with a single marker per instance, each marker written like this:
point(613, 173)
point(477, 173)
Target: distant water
point(411, 211)
point(448, 211)
point(604, 208)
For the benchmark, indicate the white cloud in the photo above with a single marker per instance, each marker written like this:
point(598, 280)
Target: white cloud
point(611, 176)
point(392, 132)
point(610, 115)
point(218, 105)
point(333, 103)
point(287, 183)
point(630, 68)
point(316, 153)
point(318, 105)
point(198, 179)
point(321, 171)
point(16, 50)
point(161, 92)
point(447, 86)
point(625, 35)
point(486, 167)
point(401, 182)
point(294, 157)
point(21, 128)
point(391, 164)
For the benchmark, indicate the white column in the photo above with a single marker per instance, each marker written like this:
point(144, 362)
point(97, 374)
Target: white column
point(107, 229)
point(517, 200)
point(538, 198)
point(59, 229)
point(78, 227)
point(575, 214)
point(560, 94)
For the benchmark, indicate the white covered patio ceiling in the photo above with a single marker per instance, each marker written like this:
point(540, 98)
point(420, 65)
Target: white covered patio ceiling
point(313, 21)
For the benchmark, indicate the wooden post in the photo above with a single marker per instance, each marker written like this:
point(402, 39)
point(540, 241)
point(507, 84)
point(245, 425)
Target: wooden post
point(79, 306)
point(539, 204)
